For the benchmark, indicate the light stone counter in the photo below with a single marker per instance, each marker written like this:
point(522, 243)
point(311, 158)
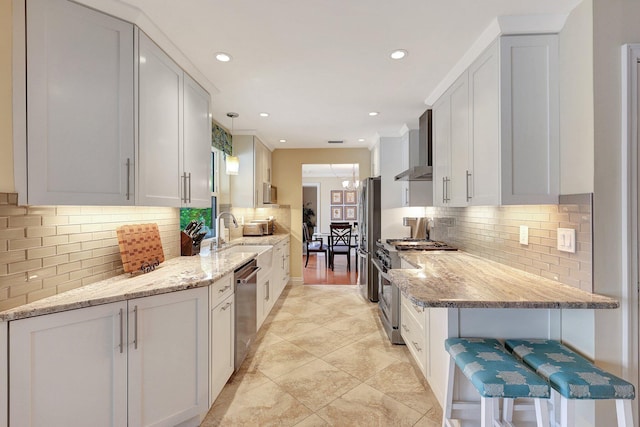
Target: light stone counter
point(176, 274)
point(460, 280)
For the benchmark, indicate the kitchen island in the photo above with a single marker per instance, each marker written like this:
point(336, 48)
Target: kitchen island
point(456, 294)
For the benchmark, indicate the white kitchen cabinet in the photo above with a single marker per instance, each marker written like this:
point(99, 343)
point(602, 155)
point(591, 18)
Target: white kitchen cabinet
point(141, 362)
point(70, 367)
point(174, 133)
point(196, 172)
point(247, 186)
point(222, 345)
point(451, 145)
point(80, 106)
point(496, 137)
point(168, 349)
point(281, 265)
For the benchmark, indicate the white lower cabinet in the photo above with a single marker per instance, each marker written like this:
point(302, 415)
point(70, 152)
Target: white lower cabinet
point(141, 362)
point(222, 343)
point(424, 331)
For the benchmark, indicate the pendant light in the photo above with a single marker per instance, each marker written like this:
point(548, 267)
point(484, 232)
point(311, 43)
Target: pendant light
point(232, 163)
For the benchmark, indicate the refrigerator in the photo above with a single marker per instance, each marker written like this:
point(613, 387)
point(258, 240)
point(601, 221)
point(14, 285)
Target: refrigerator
point(368, 235)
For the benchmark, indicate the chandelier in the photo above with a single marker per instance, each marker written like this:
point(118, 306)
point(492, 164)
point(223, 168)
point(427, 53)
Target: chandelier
point(352, 184)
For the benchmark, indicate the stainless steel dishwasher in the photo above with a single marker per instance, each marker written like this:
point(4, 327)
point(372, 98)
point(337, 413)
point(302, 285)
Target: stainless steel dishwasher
point(245, 319)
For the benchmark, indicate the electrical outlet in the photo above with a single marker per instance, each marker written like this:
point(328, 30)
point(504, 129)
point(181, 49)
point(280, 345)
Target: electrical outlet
point(567, 240)
point(524, 235)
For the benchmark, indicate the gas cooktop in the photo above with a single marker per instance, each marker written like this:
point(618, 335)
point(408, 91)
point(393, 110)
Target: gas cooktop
point(419, 245)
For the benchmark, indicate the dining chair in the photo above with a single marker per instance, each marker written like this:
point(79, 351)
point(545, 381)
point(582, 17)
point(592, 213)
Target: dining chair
point(314, 245)
point(340, 242)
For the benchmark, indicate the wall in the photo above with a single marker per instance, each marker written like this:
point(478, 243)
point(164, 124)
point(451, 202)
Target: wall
point(45, 250)
point(615, 22)
point(6, 114)
point(287, 176)
point(492, 232)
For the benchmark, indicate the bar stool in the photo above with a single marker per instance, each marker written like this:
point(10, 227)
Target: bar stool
point(495, 374)
point(573, 377)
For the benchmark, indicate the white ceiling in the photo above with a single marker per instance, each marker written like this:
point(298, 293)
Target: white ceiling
point(318, 67)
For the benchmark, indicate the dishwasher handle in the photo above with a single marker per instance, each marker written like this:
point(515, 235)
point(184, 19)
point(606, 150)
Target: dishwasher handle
point(245, 279)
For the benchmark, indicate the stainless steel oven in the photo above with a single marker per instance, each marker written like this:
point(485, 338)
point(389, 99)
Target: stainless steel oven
point(388, 293)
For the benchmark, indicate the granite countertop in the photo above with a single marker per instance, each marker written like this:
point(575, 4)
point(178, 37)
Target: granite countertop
point(461, 280)
point(175, 274)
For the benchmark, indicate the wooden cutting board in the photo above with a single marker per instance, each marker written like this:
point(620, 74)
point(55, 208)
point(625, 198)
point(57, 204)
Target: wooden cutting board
point(140, 247)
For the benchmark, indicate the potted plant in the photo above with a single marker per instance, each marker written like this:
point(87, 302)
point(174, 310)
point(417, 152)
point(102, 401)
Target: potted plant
point(308, 215)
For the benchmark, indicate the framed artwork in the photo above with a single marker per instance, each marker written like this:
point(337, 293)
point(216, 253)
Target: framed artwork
point(350, 198)
point(336, 197)
point(350, 213)
point(336, 212)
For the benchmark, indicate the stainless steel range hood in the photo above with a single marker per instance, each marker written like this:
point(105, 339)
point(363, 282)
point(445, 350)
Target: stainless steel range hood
point(420, 151)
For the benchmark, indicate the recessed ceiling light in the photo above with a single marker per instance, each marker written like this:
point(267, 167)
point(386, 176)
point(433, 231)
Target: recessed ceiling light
point(283, 140)
point(373, 113)
point(264, 114)
point(223, 57)
point(360, 139)
point(399, 54)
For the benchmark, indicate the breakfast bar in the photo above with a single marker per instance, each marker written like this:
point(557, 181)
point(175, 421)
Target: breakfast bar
point(456, 294)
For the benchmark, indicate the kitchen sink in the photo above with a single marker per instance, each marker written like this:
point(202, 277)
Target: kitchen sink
point(265, 253)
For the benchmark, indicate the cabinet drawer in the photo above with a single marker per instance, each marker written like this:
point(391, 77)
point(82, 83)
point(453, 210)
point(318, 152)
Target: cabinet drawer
point(415, 338)
point(220, 290)
point(415, 311)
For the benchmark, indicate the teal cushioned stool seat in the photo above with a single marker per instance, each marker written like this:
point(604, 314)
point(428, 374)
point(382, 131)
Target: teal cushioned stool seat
point(573, 377)
point(497, 376)
point(493, 371)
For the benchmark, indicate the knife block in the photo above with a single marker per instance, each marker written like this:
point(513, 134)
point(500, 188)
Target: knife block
point(187, 246)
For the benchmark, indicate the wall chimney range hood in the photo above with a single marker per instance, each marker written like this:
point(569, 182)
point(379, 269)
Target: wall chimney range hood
point(423, 169)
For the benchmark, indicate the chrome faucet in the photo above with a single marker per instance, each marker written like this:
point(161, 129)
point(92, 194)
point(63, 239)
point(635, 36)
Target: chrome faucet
point(219, 240)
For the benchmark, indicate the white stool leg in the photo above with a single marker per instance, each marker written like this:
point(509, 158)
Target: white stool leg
point(507, 410)
point(448, 400)
point(567, 413)
point(489, 412)
point(625, 416)
point(542, 412)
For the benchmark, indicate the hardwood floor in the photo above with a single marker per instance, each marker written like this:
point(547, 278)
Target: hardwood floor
point(316, 274)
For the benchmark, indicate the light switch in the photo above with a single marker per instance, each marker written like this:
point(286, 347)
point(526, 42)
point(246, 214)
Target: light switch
point(567, 240)
point(524, 235)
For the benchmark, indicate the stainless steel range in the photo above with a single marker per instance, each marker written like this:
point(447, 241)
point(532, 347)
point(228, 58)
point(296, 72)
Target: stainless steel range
point(387, 257)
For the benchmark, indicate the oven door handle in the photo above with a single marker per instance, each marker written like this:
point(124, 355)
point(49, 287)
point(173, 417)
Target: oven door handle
point(379, 267)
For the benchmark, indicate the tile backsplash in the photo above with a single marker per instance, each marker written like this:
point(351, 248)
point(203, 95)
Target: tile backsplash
point(45, 250)
point(493, 232)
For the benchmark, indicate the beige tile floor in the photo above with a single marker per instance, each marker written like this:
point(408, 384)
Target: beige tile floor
point(322, 359)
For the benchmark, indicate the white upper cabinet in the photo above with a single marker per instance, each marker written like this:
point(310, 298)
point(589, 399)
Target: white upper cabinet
point(197, 145)
point(247, 187)
point(174, 133)
point(80, 86)
point(159, 128)
point(496, 137)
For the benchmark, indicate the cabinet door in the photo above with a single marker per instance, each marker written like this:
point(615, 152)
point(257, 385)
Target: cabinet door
point(222, 345)
point(530, 129)
point(197, 145)
point(459, 156)
point(168, 348)
point(441, 150)
point(80, 106)
point(160, 137)
point(243, 190)
point(484, 96)
point(67, 368)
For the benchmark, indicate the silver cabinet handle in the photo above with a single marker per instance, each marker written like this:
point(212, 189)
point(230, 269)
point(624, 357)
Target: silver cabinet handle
point(227, 305)
point(135, 327)
point(121, 330)
point(468, 195)
point(444, 189)
point(406, 196)
point(220, 291)
point(266, 285)
point(405, 327)
point(415, 344)
point(128, 178)
point(189, 186)
point(417, 308)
